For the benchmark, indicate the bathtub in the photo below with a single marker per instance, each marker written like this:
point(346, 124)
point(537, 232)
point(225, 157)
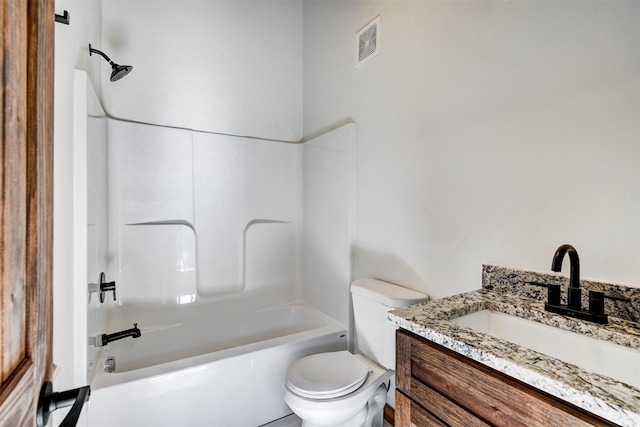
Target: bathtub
point(208, 367)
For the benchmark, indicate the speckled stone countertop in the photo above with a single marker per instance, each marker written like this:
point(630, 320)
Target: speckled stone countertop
point(613, 400)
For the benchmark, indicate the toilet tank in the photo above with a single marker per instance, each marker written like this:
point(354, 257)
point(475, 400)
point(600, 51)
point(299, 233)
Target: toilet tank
point(374, 334)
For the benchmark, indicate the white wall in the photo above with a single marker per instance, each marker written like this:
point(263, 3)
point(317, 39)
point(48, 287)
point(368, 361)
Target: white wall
point(488, 132)
point(71, 45)
point(231, 67)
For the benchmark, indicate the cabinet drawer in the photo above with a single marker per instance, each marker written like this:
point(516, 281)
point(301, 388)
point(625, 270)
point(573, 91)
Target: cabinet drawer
point(460, 391)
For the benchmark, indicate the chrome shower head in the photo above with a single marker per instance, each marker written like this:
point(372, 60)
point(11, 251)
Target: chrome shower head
point(118, 71)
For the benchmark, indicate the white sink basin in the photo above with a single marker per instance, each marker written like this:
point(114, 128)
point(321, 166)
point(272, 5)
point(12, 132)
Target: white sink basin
point(597, 356)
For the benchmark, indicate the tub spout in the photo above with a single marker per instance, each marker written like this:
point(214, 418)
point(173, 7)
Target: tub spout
point(133, 333)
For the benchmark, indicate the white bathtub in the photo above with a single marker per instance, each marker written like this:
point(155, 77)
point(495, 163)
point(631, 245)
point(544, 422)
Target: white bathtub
point(207, 368)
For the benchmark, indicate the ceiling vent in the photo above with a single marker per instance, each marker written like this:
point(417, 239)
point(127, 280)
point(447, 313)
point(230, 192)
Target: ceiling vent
point(368, 42)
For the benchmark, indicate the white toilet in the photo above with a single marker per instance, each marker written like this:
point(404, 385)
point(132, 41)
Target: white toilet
point(345, 389)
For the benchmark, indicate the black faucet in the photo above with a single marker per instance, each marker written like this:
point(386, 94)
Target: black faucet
point(133, 333)
point(574, 294)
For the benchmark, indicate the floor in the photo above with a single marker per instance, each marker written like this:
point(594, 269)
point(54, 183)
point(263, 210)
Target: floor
point(293, 421)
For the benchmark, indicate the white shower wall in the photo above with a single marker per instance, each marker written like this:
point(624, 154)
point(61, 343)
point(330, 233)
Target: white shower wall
point(328, 221)
point(195, 216)
point(240, 185)
point(91, 151)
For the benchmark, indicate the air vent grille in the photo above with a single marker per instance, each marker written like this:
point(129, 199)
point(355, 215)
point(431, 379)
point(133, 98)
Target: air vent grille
point(368, 42)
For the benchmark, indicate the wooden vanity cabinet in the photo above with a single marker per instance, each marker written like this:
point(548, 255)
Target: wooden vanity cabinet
point(438, 387)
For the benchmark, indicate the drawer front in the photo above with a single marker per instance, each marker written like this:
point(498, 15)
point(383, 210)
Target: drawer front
point(463, 392)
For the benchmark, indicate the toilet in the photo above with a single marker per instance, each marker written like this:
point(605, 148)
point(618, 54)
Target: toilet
point(345, 389)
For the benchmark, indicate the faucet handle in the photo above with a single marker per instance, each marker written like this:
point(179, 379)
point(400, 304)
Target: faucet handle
point(617, 298)
point(106, 287)
point(596, 303)
point(553, 294)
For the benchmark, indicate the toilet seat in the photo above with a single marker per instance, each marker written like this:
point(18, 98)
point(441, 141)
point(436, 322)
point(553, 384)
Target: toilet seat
point(326, 375)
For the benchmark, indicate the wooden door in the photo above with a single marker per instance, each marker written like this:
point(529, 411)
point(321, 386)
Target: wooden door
point(26, 234)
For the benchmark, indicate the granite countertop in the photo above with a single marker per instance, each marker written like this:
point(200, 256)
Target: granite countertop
point(612, 400)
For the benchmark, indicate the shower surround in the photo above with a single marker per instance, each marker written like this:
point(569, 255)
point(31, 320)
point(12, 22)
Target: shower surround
point(205, 233)
point(196, 215)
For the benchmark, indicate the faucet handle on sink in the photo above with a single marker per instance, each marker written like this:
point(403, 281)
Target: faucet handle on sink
point(553, 291)
point(596, 303)
point(553, 294)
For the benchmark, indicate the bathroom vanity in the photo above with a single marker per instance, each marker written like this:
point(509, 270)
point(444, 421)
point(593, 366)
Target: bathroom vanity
point(436, 386)
point(496, 357)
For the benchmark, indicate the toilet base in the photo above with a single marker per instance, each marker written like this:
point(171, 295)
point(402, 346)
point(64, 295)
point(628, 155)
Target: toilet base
point(356, 421)
point(371, 415)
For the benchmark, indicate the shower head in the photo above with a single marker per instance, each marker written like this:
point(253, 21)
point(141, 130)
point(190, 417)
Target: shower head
point(118, 71)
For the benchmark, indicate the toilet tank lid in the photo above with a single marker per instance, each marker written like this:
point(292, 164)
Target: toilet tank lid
point(386, 293)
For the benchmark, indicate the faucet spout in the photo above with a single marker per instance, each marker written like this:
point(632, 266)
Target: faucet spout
point(574, 294)
point(133, 333)
point(556, 264)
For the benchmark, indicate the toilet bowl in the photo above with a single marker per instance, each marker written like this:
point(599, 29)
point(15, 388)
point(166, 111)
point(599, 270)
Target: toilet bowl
point(337, 389)
point(342, 389)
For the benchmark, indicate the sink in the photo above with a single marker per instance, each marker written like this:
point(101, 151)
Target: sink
point(597, 356)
